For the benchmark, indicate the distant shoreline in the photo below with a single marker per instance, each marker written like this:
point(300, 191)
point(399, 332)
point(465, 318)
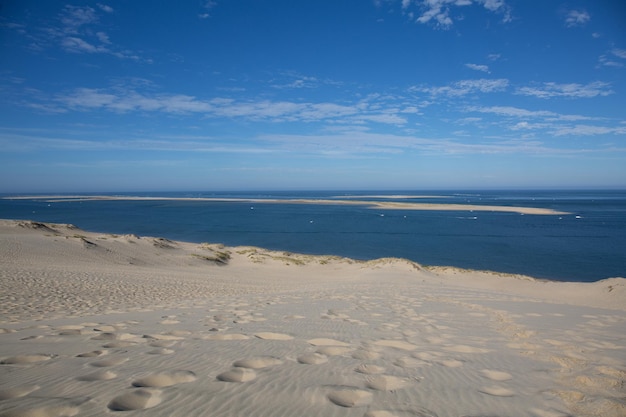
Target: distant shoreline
point(385, 205)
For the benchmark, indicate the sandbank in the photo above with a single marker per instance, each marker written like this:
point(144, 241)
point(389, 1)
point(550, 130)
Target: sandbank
point(385, 205)
point(96, 324)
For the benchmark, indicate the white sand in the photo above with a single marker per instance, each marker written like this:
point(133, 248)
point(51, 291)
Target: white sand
point(95, 324)
point(383, 205)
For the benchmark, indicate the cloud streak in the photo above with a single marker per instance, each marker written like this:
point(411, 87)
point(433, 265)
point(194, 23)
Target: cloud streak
point(440, 13)
point(86, 99)
point(78, 31)
point(572, 90)
point(575, 18)
point(344, 145)
point(465, 87)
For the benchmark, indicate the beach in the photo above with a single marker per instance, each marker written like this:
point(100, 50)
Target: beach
point(95, 324)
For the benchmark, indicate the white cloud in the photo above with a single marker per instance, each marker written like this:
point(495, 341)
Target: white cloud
point(589, 130)
point(512, 111)
point(573, 90)
point(528, 126)
point(207, 6)
point(103, 37)
point(77, 31)
point(105, 8)
point(476, 67)
point(609, 59)
point(508, 111)
point(73, 17)
point(123, 101)
point(620, 53)
point(464, 87)
point(74, 44)
point(551, 123)
point(576, 18)
point(439, 12)
point(348, 144)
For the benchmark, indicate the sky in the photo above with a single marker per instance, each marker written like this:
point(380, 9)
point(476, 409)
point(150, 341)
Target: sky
point(218, 95)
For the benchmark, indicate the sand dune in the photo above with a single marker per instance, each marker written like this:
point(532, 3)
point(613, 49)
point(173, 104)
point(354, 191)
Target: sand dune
point(96, 324)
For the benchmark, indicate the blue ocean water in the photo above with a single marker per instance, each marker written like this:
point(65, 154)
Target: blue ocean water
point(587, 245)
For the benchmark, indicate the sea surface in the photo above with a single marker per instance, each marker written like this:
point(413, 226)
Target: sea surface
point(587, 245)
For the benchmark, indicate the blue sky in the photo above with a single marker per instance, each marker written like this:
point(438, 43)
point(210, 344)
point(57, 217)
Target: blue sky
point(329, 94)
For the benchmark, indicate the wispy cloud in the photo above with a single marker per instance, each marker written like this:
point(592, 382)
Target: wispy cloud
point(512, 111)
point(476, 67)
point(124, 101)
point(105, 8)
point(553, 124)
point(440, 13)
point(574, 18)
point(589, 130)
point(206, 8)
point(74, 17)
point(465, 87)
point(614, 58)
point(573, 90)
point(350, 143)
point(516, 112)
point(79, 30)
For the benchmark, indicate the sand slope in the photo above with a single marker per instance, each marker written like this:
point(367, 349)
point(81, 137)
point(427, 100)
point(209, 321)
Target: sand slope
point(96, 324)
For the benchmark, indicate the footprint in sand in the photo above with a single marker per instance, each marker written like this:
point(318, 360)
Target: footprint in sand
point(257, 363)
point(92, 354)
point(312, 359)
point(369, 369)
point(350, 397)
point(162, 343)
point(165, 379)
point(326, 342)
point(109, 362)
point(497, 391)
point(160, 351)
point(98, 376)
point(397, 344)
point(168, 337)
point(496, 375)
point(365, 354)
point(450, 363)
point(32, 337)
point(427, 356)
point(25, 359)
point(465, 349)
point(237, 375)
point(386, 383)
point(138, 399)
point(273, 336)
point(117, 345)
point(17, 392)
point(105, 328)
point(334, 350)
point(169, 320)
point(71, 332)
point(113, 336)
point(227, 336)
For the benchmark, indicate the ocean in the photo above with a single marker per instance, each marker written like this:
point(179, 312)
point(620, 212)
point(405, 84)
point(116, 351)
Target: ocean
point(587, 245)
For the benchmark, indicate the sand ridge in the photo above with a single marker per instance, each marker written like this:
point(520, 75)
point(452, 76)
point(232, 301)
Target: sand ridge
point(353, 201)
point(124, 325)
